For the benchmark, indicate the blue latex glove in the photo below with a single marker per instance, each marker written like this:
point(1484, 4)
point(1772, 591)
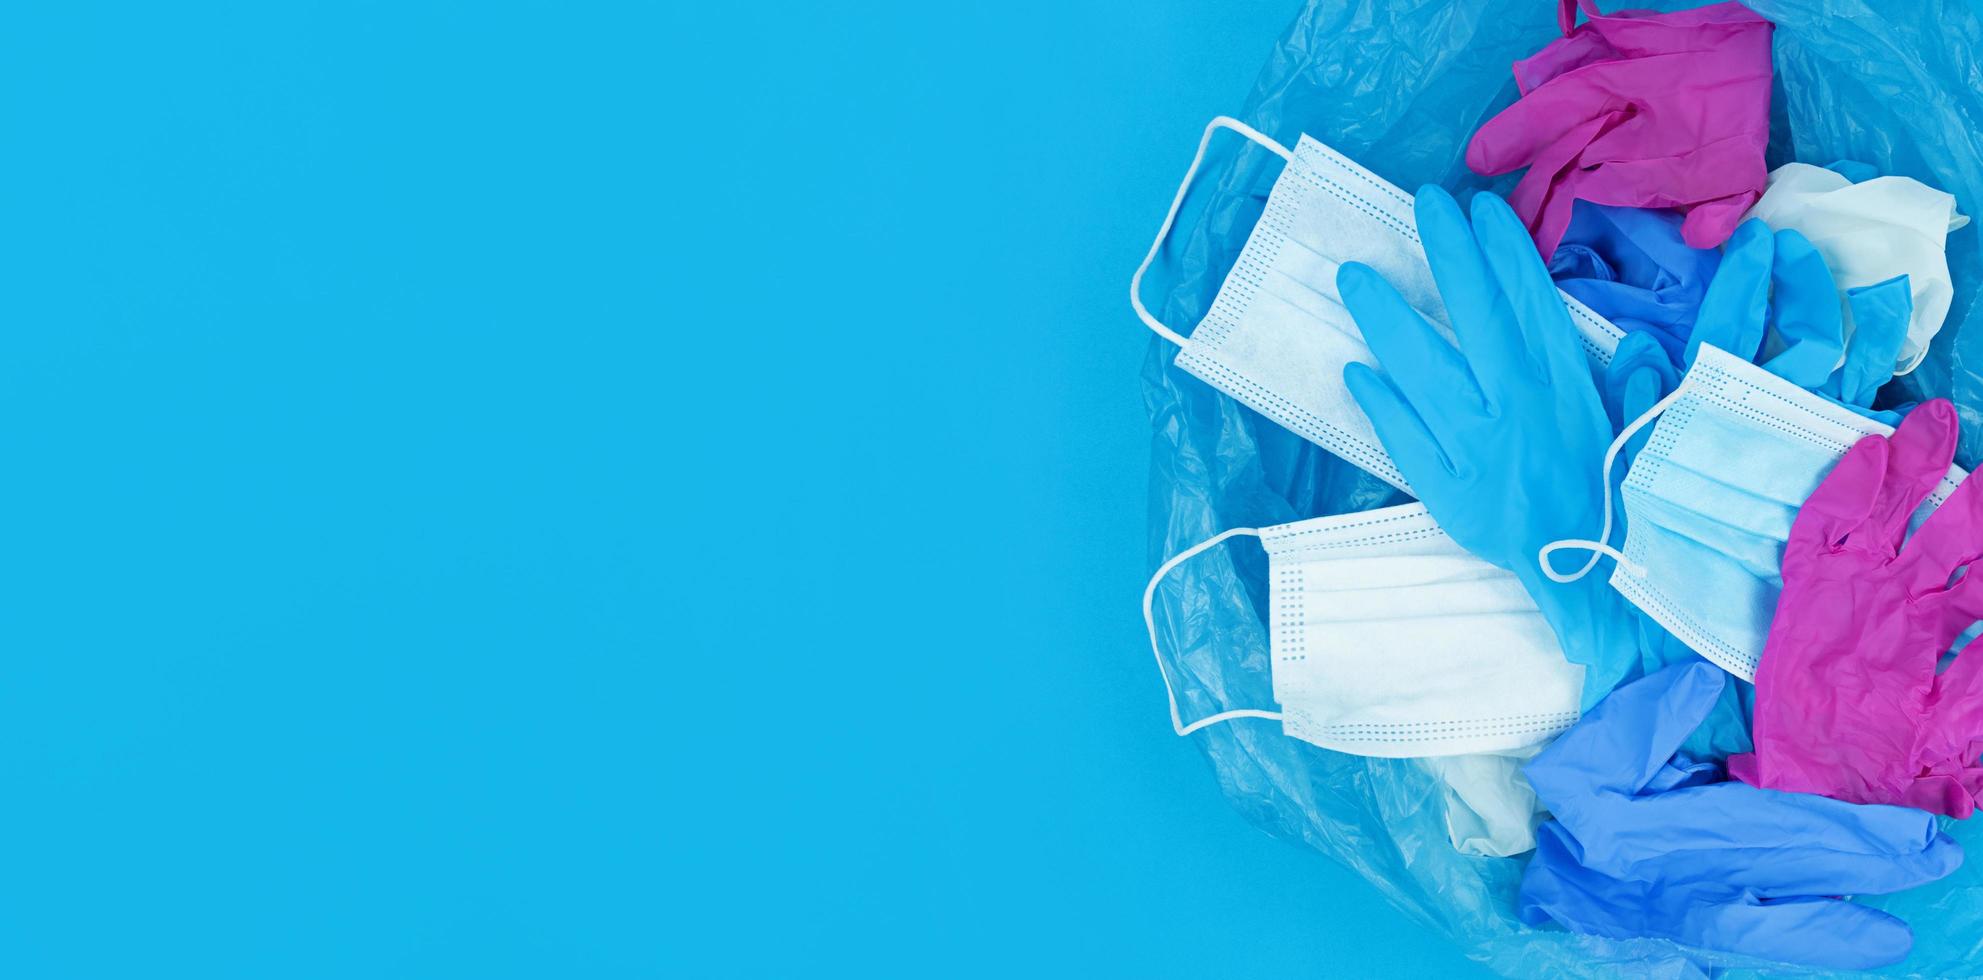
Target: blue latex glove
point(1643, 847)
point(1502, 437)
point(1774, 302)
point(1771, 295)
point(1632, 267)
point(1880, 314)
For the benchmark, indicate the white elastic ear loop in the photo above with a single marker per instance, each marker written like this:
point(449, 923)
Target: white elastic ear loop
point(1150, 622)
point(1599, 548)
point(1136, 281)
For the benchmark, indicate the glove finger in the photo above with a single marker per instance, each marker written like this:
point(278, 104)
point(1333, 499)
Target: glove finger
point(1736, 304)
point(1880, 314)
point(1426, 369)
point(1482, 320)
point(1538, 120)
point(1940, 793)
point(1774, 843)
point(1952, 536)
point(1918, 457)
point(1689, 905)
point(1639, 375)
point(1638, 355)
point(1620, 744)
point(1828, 933)
point(1545, 328)
point(1843, 500)
point(1805, 314)
point(1404, 435)
point(1709, 223)
point(1646, 376)
point(1796, 870)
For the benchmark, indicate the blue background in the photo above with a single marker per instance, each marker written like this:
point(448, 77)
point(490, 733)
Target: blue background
point(523, 490)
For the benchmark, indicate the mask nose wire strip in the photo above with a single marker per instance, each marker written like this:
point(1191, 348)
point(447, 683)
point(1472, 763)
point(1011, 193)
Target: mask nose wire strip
point(1136, 281)
point(1599, 548)
point(1150, 622)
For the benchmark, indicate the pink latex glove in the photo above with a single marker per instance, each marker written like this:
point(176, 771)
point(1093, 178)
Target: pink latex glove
point(1638, 109)
point(1848, 704)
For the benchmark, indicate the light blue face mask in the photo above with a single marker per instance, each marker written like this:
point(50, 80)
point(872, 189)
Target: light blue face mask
point(1710, 499)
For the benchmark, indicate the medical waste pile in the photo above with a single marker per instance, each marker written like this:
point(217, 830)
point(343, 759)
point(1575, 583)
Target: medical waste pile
point(1577, 544)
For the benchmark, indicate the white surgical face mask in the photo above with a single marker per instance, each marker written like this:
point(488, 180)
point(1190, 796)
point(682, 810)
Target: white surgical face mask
point(1277, 337)
point(1387, 639)
point(1390, 640)
point(1710, 499)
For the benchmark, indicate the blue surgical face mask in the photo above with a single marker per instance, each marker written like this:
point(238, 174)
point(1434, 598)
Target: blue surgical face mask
point(1710, 499)
point(1278, 337)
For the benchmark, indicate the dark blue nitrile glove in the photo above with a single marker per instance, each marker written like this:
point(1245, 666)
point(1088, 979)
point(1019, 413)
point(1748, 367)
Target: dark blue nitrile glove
point(1631, 266)
point(1502, 437)
point(1644, 847)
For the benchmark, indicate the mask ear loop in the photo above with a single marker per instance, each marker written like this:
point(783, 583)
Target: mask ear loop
point(1136, 281)
point(1600, 548)
point(1150, 622)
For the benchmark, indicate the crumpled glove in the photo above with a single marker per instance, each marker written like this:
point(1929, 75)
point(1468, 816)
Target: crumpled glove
point(1630, 266)
point(1639, 109)
point(1774, 302)
point(1848, 701)
point(1873, 230)
point(1642, 847)
point(1511, 415)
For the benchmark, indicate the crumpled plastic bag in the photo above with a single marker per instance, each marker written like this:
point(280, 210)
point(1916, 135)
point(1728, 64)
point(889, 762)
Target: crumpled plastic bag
point(1401, 87)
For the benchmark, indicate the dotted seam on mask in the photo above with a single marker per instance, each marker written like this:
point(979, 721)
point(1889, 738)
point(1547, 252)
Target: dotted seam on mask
point(1312, 547)
point(1358, 202)
point(1255, 263)
point(1517, 721)
point(1363, 176)
point(1428, 731)
point(1352, 521)
point(1289, 627)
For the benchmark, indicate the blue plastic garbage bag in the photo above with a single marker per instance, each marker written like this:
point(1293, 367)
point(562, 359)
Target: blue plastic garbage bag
point(1401, 87)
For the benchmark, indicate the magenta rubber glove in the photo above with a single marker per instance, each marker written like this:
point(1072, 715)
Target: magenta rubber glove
point(1640, 109)
point(1848, 703)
